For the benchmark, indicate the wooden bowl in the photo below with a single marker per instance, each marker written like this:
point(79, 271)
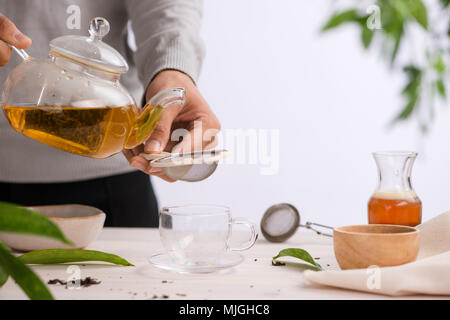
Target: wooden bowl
point(80, 224)
point(382, 245)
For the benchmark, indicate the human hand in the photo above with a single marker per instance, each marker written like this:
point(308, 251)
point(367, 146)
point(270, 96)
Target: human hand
point(11, 35)
point(165, 136)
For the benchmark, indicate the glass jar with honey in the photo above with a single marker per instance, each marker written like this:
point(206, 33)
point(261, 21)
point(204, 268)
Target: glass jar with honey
point(395, 201)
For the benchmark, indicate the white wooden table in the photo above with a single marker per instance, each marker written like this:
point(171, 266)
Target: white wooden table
point(255, 278)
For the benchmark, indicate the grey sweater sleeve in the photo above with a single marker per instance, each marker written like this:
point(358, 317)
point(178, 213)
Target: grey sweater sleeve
point(167, 36)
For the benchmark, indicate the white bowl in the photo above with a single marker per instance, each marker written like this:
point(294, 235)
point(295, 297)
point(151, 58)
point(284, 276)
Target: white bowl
point(80, 224)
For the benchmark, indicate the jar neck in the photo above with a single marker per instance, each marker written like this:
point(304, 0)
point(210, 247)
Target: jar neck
point(394, 170)
point(71, 64)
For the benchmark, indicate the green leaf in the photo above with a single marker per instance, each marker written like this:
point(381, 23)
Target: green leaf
point(393, 18)
point(440, 86)
point(366, 36)
point(397, 35)
point(3, 276)
point(14, 218)
point(445, 3)
point(411, 91)
point(338, 19)
point(53, 256)
point(439, 64)
point(30, 283)
point(407, 109)
point(418, 10)
point(300, 254)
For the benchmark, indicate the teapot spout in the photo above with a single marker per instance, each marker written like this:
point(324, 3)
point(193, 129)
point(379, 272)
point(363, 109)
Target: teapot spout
point(147, 120)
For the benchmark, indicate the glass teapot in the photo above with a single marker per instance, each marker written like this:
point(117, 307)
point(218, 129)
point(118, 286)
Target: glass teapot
point(73, 99)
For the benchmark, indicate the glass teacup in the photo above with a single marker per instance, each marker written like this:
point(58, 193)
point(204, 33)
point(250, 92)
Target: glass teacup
point(198, 235)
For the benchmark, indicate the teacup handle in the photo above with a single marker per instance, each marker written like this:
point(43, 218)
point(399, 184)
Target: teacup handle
point(253, 230)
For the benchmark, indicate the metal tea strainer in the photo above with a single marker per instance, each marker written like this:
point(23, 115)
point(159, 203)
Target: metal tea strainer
point(281, 221)
point(191, 166)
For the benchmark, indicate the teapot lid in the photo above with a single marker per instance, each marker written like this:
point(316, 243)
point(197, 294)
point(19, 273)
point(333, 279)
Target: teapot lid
point(91, 50)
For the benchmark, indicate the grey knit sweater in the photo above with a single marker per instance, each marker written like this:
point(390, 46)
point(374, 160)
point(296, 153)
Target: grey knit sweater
point(166, 37)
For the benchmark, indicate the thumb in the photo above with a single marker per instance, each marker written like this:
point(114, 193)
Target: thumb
point(10, 34)
point(160, 135)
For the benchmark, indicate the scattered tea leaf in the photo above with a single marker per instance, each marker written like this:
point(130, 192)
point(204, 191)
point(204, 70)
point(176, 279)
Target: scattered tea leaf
point(53, 256)
point(300, 254)
point(86, 282)
point(278, 263)
point(57, 281)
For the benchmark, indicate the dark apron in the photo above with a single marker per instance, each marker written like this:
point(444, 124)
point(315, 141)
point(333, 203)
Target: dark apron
point(127, 199)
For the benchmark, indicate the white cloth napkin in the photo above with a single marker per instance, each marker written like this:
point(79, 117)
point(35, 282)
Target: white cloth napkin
point(429, 274)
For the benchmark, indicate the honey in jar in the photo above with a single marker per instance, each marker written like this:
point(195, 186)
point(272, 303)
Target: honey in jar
point(395, 201)
point(403, 208)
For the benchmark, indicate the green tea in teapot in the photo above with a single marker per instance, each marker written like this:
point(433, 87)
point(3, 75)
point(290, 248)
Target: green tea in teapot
point(96, 132)
point(73, 99)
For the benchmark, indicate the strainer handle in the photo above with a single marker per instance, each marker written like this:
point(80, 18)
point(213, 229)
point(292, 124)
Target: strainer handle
point(309, 225)
point(253, 230)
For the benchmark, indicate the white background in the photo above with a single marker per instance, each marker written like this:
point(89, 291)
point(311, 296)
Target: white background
point(267, 67)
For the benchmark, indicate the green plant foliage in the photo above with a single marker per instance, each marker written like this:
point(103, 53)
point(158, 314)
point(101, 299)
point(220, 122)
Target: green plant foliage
point(411, 91)
point(14, 218)
point(30, 283)
point(55, 256)
point(341, 18)
point(395, 17)
point(299, 254)
point(3, 276)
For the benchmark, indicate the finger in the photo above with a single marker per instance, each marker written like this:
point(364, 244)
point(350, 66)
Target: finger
point(5, 53)
point(142, 164)
point(10, 34)
point(138, 150)
point(139, 163)
point(159, 172)
point(160, 136)
point(128, 154)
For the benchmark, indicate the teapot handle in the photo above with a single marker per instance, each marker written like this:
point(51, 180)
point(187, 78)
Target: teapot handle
point(168, 97)
point(147, 120)
point(20, 52)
